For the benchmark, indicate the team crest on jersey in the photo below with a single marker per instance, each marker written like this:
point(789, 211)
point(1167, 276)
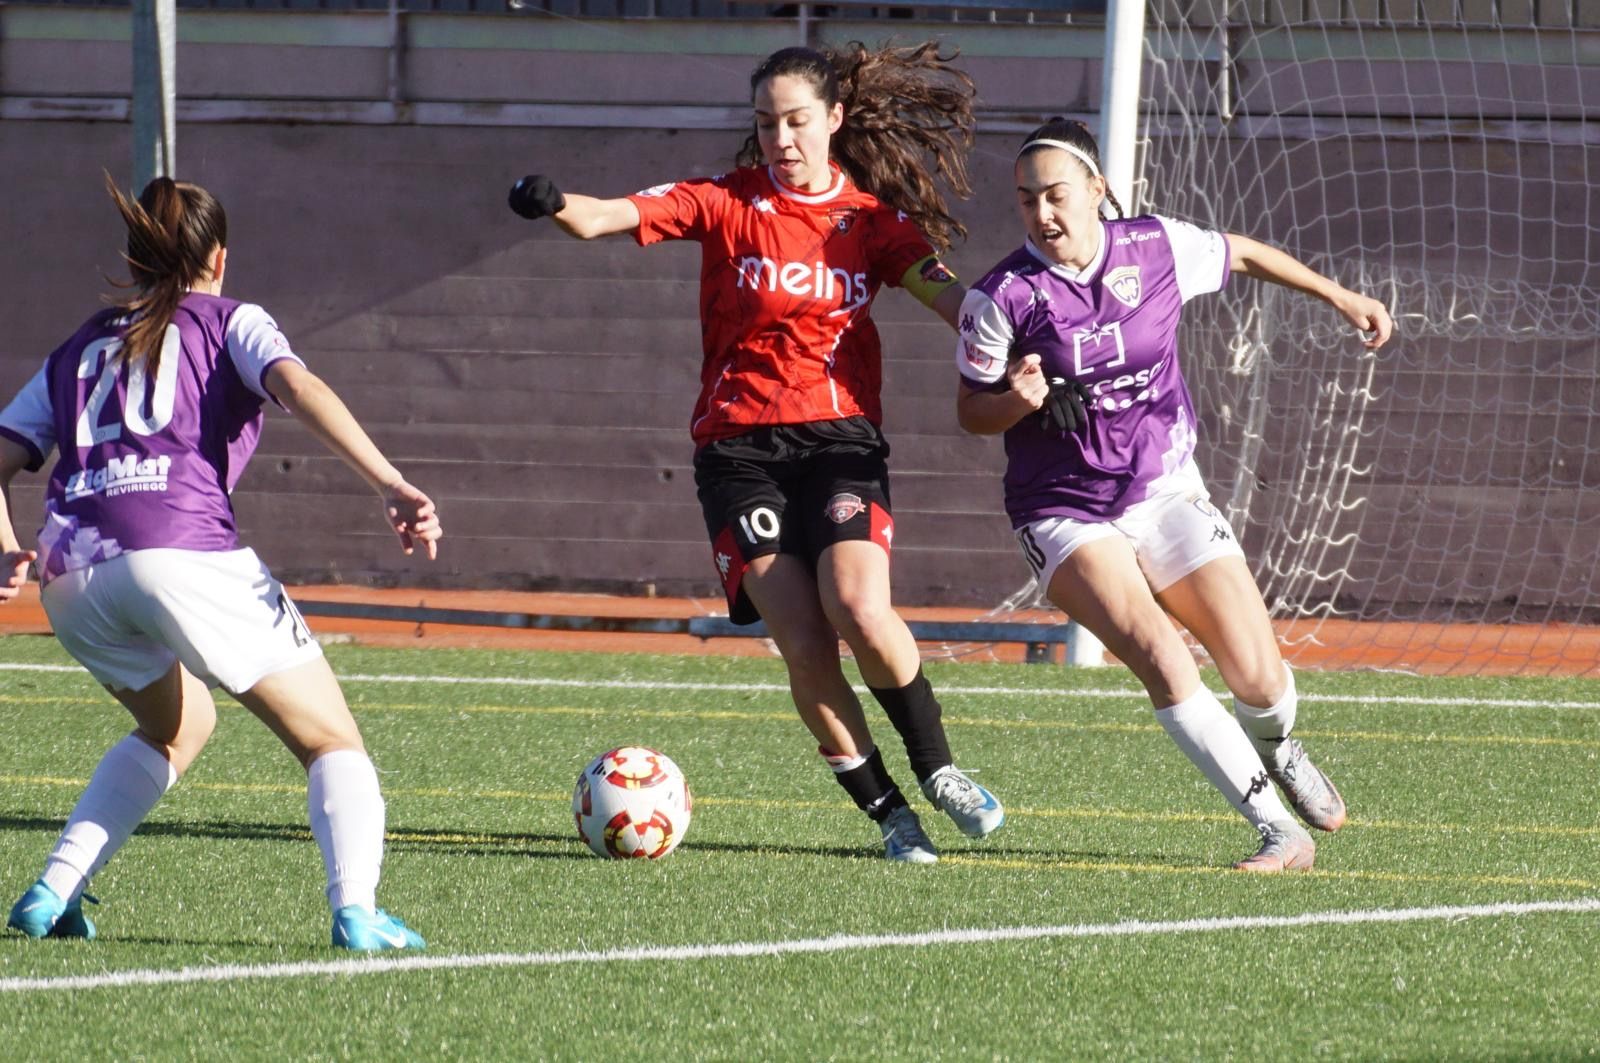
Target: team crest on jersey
point(844, 505)
point(935, 272)
point(1124, 284)
point(655, 191)
point(843, 218)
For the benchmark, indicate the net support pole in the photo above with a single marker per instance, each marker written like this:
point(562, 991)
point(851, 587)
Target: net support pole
point(155, 133)
point(1119, 97)
point(1119, 127)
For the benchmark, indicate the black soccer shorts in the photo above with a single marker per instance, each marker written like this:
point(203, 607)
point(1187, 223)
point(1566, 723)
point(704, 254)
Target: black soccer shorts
point(791, 489)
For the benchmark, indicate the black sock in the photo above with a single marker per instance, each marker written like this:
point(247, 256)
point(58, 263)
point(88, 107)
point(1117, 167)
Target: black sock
point(915, 713)
point(870, 787)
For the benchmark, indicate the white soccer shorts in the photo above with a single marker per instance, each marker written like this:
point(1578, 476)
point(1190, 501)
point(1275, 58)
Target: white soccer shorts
point(221, 613)
point(1172, 532)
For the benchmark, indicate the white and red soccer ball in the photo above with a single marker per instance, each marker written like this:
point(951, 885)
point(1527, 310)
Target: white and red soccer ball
point(632, 802)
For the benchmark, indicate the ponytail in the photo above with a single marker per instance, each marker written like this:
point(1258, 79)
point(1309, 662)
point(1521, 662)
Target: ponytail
point(901, 106)
point(173, 229)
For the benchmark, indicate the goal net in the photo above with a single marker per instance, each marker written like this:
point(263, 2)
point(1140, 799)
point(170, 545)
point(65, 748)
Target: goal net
point(1434, 506)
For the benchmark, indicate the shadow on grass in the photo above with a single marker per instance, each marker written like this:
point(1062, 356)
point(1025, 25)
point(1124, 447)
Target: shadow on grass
point(451, 841)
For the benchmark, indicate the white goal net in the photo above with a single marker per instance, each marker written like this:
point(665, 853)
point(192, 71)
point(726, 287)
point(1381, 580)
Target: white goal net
point(1436, 506)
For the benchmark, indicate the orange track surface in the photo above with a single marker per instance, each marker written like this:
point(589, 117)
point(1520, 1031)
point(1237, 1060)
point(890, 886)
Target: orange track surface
point(1427, 649)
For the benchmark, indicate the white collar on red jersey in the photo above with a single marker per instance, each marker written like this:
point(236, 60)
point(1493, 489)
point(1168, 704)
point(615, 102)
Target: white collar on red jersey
point(790, 192)
point(1065, 272)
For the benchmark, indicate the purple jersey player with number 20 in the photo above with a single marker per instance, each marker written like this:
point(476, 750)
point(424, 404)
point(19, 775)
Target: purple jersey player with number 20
point(155, 407)
point(1069, 348)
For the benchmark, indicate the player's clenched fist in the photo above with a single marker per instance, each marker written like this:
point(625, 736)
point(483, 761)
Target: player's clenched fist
point(536, 196)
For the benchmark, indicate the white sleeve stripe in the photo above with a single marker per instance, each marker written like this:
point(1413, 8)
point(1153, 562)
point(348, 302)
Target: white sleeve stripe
point(30, 417)
point(1199, 256)
point(985, 338)
point(254, 344)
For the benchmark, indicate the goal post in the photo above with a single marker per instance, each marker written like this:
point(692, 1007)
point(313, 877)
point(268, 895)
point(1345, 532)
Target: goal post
point(153, 96)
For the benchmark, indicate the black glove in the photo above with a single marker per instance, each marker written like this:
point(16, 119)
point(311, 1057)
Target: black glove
point(536, 196)
point(1066, 410)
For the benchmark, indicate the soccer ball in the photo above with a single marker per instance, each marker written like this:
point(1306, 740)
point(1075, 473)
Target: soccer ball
point(632, 802)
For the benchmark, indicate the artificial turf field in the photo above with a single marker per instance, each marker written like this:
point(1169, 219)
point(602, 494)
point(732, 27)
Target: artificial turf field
point(1456, 916)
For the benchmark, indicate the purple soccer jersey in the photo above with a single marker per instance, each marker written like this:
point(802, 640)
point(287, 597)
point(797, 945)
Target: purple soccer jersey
point(145, 462)
point(1114, 326)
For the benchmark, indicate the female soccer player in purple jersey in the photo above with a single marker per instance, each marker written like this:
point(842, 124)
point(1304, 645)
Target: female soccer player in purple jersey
point(1069, 347)
point(156, 408)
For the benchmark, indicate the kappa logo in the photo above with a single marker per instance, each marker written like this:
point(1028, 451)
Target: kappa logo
point(723, 561)
point(1220, 533)
point(1257, 785)
point(656, 191)
point(843, 506)
point(968, 324)
point(1123, 283)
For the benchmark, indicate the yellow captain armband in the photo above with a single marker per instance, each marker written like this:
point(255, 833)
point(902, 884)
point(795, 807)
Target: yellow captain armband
point(926, 278)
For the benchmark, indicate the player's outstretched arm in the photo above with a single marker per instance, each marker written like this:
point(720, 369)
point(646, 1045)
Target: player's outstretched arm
point(14, 560)
point(1256, 259)
point(536, 196)
point(410, 513)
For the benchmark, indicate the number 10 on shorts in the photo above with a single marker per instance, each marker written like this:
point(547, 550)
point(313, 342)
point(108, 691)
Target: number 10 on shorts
point(759, 525)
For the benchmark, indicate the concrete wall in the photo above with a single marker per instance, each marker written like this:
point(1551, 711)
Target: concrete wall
point(540, 388)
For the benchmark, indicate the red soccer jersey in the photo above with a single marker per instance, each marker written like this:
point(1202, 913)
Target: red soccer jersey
point(786, 283)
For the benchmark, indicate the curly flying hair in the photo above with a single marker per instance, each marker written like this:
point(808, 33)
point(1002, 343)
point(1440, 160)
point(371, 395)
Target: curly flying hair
point(902, 105)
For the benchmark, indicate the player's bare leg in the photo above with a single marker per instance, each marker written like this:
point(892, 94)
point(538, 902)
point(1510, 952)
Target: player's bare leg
point(1101, 586)
point(1222, 607)
point(784, 592)
point(853, 581)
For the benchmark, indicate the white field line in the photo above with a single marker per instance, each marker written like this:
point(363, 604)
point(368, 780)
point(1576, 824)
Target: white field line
point(736, 950)
point(944, 688)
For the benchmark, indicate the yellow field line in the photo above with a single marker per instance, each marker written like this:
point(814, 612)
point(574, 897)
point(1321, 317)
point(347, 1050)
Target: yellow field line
point(781, 805)
point(614, 712)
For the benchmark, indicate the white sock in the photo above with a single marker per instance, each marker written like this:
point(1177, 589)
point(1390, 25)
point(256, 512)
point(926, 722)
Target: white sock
point(126, 785)
point(1268, 727)
point(841, 763)
point(1217, 745)
point(346, 809)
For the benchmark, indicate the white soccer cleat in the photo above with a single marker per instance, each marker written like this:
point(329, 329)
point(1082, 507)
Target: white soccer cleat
point(973, 810)
point(1285, 846)
point(1311, 793)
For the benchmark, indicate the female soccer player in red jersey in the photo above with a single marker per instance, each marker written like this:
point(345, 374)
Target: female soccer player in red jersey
point(830, 201)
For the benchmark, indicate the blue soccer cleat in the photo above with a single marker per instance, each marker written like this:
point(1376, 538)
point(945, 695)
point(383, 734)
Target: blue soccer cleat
point(357, 929)
point(903, 839)
point(41, 913)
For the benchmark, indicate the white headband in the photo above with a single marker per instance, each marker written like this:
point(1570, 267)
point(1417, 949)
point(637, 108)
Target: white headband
point(1083, 156)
